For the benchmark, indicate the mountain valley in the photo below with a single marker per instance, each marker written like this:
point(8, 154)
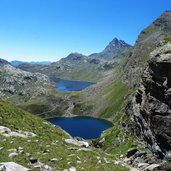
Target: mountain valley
point(131, 88)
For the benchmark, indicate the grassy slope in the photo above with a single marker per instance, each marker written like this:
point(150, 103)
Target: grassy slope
point(17, 119)
point(107, 99)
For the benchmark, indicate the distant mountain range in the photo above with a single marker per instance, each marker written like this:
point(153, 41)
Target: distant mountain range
point(17, 63)
point(77, 66)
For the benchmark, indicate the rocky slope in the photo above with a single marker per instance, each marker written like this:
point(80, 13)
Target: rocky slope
point(86, 68)
point(15, 82)
point(146, 42)
point(151, 106)
point(32, 91)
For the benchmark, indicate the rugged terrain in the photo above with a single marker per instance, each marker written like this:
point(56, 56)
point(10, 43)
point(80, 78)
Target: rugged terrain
point(133, 92)
point(34, 92)
point(146, 42)
point(151, 106)
point(86, 68)
point(38, 145)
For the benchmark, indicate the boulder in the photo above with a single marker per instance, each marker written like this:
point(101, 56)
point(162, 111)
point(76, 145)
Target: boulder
point(12, 166)
point(12, 155)
point(152, 167)
point(72, 169)
point(33, 160)
point(77, 143)
point(131, 152)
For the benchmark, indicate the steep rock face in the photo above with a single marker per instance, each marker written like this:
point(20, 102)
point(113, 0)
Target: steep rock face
point(151, 105)
point(146, 42)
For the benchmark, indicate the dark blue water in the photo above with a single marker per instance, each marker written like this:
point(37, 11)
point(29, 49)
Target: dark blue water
point(84, 127)
point(68, 86)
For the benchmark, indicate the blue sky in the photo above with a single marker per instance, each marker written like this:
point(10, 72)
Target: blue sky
point(38, 30)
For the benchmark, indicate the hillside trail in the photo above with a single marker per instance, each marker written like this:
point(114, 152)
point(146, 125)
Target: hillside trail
point(70, 108)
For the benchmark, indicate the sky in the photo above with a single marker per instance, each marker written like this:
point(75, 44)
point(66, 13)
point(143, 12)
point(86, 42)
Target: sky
point(47, 30)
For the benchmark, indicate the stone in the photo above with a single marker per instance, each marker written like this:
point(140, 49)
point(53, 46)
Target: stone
point(131, 152)
point(84, 149)
point(12, 155)
point(143, 165)
point(46, 167)
point(2, 167)
point(33, 160)
point(77, 143)
point(54, 159)
point(140, 153)
point(102, 140)
point(28, 154)
point(12, 166)
point(4, 129)
point(72, 169)
point(168, 157)
point(152, 167)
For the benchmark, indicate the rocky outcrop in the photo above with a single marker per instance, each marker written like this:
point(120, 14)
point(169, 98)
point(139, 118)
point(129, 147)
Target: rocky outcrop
point(4, 131)
point(12, 166)
point(151, 106)
point(146, 42)
point(18, 84)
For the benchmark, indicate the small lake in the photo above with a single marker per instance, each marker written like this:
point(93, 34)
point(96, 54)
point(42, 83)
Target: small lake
point(84, 127)
point(68, 86)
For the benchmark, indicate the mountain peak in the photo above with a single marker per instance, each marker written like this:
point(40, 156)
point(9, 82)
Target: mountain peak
point(74, 56)
point(116, 44)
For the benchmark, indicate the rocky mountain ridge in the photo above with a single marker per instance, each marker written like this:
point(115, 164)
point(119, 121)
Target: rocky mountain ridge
point(16, 63)
point(86, 68)
point(146, 42)
point(115, 50)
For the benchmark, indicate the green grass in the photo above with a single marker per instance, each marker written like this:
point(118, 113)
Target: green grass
point(41, 146)
point(119, 139)
point(167, 40)
point(114, 101)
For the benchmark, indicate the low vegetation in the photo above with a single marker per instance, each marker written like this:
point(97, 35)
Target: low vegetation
point(48, 144)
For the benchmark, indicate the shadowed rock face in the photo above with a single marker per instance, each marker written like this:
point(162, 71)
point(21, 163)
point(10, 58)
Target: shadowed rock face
point(152, 104)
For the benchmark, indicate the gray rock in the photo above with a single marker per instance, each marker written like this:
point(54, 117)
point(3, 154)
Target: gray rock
point(72, 169)
point(33, 160)
point(12, 166)
point(2, 168)
point(131, 152)
point(77, 143)
point(12, 155)
point(54, 159)
point(152, 167)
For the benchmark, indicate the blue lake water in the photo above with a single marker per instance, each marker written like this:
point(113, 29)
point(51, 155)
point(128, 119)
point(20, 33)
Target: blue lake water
point(68, 86)
point(84, 127)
